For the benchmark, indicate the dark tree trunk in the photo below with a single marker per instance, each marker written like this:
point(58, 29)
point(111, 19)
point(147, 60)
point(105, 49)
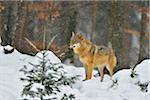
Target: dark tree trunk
point(22, 14)
point(8, 22)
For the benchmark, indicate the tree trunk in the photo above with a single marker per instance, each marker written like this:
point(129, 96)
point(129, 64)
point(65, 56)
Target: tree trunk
point(144, 38)
point(22, 14)
point(119, 40)
point(94, 8)
point(8, 21)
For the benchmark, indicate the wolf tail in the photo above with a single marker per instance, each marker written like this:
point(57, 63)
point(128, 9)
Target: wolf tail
point(110, 44)
point(111, 48)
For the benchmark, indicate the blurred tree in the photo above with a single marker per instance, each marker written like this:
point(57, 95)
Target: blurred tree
point(67, 25)
point(68, 20)
point(101, 28)
point(94, 14)
point(8, 22)
point(34, 21)
point(144, 36)
point(87, 23)
point(141, 28)
point(120, 41)
point(21, 20)
point(2, 7)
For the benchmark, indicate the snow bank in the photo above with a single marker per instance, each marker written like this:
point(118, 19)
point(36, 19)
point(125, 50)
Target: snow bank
point(49, 56)
point(143, 71)
point(125, 88)
point(10, 64)
point(123, 78)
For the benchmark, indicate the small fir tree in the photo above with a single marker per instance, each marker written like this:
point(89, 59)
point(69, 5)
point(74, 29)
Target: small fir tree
point(44, 79)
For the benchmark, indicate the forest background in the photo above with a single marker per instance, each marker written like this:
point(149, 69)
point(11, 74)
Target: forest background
point(126, 24)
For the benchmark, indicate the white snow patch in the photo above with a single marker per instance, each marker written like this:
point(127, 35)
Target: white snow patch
point(49, 56)
point(143, 71)
point(37, 86)
point(8, 47)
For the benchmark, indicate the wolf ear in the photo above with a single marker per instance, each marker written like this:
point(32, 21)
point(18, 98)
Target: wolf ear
point(73, 34)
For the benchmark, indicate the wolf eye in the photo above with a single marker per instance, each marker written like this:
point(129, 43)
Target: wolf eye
point(76, 45)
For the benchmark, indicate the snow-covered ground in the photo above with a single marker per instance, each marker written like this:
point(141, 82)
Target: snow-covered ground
point(126, 88)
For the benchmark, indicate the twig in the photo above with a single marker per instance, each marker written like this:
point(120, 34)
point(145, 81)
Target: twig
point(114, 82)
point(44, 39)
point(31, 44)
point(51, 41)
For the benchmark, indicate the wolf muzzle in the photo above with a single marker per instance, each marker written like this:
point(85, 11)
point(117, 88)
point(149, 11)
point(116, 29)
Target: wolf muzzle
point(71, 47)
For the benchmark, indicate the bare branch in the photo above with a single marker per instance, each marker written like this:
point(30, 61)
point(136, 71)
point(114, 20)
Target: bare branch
point(31, 44)
point(51, 41)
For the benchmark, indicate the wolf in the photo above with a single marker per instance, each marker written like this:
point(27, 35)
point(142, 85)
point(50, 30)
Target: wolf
point(92, 56)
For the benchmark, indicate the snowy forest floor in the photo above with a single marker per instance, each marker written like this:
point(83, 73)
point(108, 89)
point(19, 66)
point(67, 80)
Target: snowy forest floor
point(126, 88)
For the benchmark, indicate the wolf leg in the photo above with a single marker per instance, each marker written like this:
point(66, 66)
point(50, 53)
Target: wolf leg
point(111, 65)
point(110, 69)
point(101, 72)
point(89, 71)
point(86, 72)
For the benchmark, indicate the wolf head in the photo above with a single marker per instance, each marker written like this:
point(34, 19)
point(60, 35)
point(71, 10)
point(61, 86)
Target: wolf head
point(76, 40)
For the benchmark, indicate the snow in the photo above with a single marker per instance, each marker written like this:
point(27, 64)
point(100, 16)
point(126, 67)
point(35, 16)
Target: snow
point(8, 47)
point(148, 89)
point(126, 88)
point(37, 86)
point(142, 69)
point(50, 56)
point(9, 74)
